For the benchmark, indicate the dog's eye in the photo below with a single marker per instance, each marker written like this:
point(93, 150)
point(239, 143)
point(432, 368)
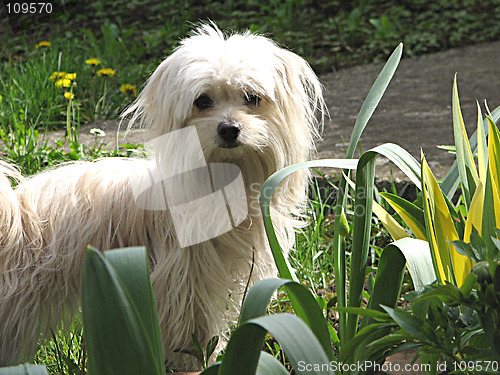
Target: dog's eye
point(252, 99)
point(203, 102)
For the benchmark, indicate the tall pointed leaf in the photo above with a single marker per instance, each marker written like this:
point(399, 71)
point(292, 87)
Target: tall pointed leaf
point(367, 108)
point(494, 167)
point(451, 180)
point(439, 224)
point(411, 214)
point(243, 350)
point(373, 98)
point(482, 148)
point(395, 230)
point(465, 160)
point(258, 298)
point(267, 191)
point(116, 337)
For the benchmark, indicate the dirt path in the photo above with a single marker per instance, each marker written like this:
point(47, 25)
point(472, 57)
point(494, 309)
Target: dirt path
point(415, 111)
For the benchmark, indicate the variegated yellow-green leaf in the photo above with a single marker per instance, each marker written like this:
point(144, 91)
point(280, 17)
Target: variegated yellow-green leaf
point(396, 231)
point(494, 166)
point(455, 266)
point(411, 214)
point(482, 150)
point(475, 215)
point(465, 160)
point(437, 260)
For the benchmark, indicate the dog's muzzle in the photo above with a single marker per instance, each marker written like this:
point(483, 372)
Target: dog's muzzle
point(228, 132)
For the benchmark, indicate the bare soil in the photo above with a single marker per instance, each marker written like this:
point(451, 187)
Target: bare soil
point(415, 111)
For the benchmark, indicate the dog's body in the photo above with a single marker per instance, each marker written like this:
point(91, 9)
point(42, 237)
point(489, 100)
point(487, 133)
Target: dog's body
point(252, 105)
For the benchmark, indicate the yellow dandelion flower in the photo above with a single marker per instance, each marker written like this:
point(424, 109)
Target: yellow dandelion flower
point(108, 72)
point(93, 61)
point(63, 82)
point(70, 76)
point(43, 43)
point(57, 75)
point(127, 89)
point(69, 95)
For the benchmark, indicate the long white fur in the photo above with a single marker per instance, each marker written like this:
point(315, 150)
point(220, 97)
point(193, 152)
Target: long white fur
point(48, 220)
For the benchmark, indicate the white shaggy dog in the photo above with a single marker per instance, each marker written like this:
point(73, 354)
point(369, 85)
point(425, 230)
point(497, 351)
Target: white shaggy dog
point(253, 105)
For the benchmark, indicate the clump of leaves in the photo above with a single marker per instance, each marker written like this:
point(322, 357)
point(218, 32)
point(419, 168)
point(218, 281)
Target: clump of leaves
point(457, 324)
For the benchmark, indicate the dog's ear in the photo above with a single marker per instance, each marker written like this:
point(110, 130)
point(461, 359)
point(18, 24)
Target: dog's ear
point(300, 91)
point(163, 105)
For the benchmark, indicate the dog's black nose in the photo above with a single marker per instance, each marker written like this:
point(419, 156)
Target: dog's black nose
point(228, 131)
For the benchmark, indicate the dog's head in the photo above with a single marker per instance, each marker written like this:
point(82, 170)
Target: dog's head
point(243, 93)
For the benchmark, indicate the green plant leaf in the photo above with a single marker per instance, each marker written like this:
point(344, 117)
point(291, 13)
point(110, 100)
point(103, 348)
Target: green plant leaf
point(482, 148)
point(243, 350)
point(266, 193)
point(285, 328)
point(117, 338)
point(367, 108)
point(494, 168)
point(395, 230)
point(418, 260)
point(451, 180)
point(365, 179)
point(373, 98)
point(412, 215)
point(257, 301)
point(211, 346)
point(363, 207)
point(412, 325)
point(268, 365)
point(448, 264)
point(466, 165)
point(355, 350)
point(131, 265)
